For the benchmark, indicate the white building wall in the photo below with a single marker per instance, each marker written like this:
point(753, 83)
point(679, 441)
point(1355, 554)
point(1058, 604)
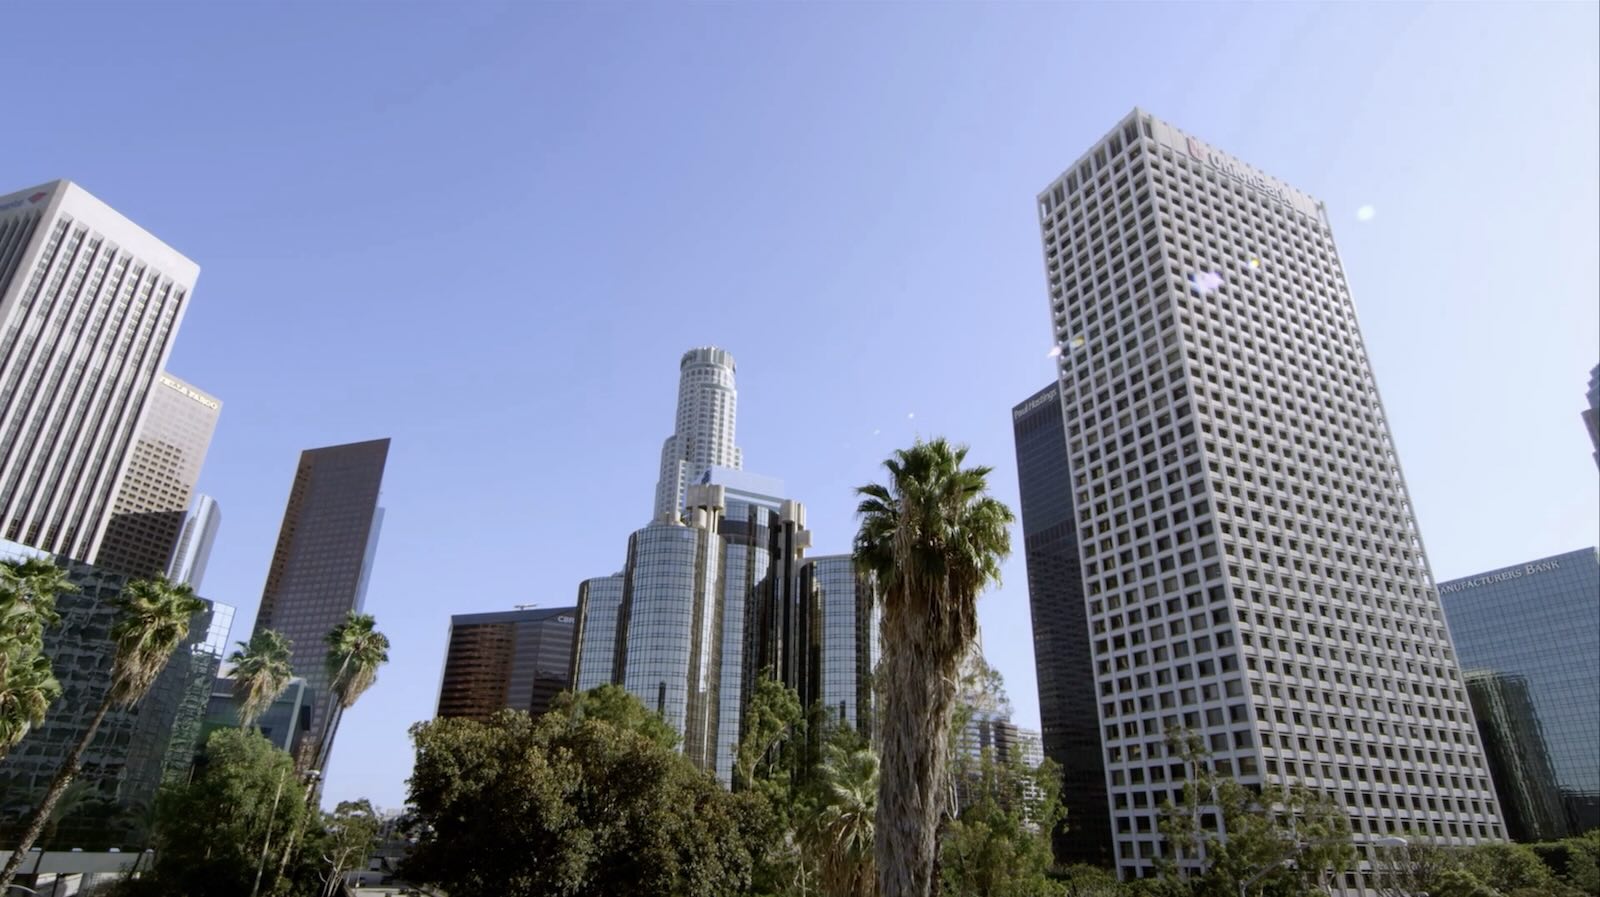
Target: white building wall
point(1251, 562)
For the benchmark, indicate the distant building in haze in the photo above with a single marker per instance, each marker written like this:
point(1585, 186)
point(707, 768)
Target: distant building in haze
point(89, 306)
point(507, 660)
point(199, 533)
point(148, 514)
point(323, 559)
point(1065, 667)
point(1531, 633)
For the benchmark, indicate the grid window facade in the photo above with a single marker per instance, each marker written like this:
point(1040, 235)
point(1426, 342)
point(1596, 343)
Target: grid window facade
point(89, 306)
point(324, 552)
point(152, 501)
point(1529, 637)
point(1250, 559)
point(594, 646)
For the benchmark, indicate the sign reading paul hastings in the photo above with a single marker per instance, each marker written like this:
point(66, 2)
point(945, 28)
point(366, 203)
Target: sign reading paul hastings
point(1499, 576)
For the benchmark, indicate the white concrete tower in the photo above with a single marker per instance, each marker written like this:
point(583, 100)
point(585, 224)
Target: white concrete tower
point(89, 306)
point(703, 437)
point(1251, 563)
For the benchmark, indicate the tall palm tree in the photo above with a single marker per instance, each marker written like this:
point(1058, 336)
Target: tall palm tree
point(261, 672)
point(154, 620)
point(356, 649)
point(935, 539)
point(28, 591)
point(845, 822)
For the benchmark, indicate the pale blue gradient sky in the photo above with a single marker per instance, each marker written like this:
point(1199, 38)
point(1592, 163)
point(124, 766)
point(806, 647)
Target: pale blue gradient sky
point(489, 230)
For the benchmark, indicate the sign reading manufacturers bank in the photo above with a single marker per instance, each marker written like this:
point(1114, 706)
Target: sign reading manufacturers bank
point(1489, 579)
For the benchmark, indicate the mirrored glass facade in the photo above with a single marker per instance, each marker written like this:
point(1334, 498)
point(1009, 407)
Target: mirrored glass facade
point(844, 639)
point(594, 655)
point(1529, 637)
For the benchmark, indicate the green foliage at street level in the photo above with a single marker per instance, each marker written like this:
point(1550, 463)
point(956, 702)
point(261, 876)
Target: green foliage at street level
point(995, 841)
point(1569, 868)
point(572, 803)
point(1282, 841)
point(213, 833)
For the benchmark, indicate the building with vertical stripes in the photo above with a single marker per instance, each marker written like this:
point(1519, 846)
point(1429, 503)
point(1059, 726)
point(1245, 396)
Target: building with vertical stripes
point(89, 306)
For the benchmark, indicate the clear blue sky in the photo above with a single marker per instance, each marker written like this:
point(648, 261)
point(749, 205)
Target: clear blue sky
point(489, 230)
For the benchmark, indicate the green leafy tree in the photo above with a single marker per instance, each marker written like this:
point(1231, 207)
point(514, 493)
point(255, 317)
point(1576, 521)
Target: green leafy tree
point(615, 705)
point(934, 539)
point(773, 717)
point(1089, 881)
point(209, 831)
point(154, 620)
point(261, 672)
point(28, 591)
point(1278, 839)
point(571, 804)
point(1508, 868)
point(999, 843)
point(352, 832)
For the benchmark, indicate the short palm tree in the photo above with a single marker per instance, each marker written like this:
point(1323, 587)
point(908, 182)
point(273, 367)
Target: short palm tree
point(934, 538)
point(845, 823)
point(261, 672)
point(28, 591)
point(154, 621)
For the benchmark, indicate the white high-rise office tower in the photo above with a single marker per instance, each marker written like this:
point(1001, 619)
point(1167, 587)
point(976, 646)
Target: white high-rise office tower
point(89, 306)
point(703, 436)
point(1251, 563)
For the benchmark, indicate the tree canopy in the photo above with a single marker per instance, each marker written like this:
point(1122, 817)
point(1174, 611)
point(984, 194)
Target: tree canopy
point(588, 799)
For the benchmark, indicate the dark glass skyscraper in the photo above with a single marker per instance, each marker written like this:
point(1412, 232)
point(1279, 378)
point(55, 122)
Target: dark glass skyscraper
point(1061, 627)
point(516, 659)
point(324, 555)
point(1529, 635)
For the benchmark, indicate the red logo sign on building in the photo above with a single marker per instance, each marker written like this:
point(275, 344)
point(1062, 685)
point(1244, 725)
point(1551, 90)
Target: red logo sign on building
point(37, 196)
point(1195, 150)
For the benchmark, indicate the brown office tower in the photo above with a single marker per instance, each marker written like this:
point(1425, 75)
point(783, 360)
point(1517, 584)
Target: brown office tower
point(516, 659)
point(154, 494)
point(324, 556)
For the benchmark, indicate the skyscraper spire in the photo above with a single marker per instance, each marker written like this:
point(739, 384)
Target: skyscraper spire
point(703, 434)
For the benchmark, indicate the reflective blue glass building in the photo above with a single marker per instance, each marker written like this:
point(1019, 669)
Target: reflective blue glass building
point(1528, 639)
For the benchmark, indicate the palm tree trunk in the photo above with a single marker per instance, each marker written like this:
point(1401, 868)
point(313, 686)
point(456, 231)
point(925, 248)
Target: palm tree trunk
point(69, 771)
point(917, 699)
